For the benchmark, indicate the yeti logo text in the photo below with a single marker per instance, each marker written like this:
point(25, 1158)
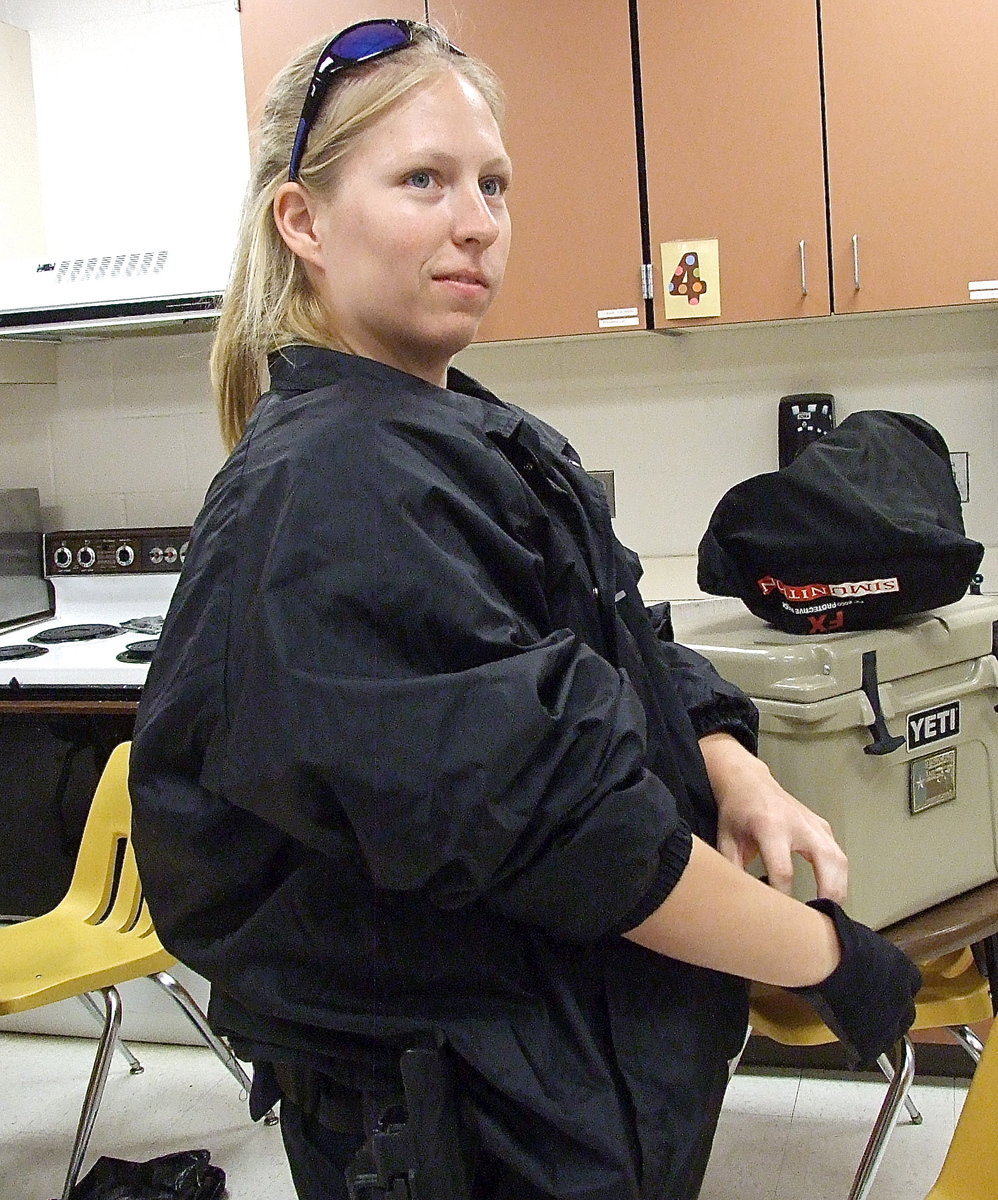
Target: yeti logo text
point(933, 724)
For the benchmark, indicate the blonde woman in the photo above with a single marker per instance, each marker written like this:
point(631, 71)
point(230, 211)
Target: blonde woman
point(417, 778)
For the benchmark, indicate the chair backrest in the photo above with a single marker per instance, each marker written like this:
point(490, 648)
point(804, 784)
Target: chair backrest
point(105, 888)
point(970, 1171)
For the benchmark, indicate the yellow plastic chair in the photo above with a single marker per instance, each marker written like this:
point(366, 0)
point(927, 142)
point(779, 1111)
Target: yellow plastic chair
point(970, 1169)
point(99, 935)
point(954, 994)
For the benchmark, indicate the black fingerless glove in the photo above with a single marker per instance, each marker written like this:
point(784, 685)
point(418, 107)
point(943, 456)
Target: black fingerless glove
point(868, 1000)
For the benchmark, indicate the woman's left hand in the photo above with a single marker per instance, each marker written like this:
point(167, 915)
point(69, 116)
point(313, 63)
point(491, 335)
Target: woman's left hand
point(758, 818)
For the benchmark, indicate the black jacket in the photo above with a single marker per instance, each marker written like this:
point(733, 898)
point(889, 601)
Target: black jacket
point(412, 755)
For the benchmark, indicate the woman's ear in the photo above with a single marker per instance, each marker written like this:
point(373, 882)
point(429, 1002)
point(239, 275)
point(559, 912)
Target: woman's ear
point(294, 215)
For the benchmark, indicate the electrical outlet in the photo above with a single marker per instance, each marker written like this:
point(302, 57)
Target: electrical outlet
point(803, 419)
point(606, 479)
point(959, 460)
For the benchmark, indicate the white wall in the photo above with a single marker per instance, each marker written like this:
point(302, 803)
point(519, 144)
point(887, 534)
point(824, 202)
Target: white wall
point(21, 231)
point(680, 419)
point(135, 105)
point(127, 435)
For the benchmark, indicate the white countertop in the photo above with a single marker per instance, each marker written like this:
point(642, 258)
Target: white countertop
point(670, 578)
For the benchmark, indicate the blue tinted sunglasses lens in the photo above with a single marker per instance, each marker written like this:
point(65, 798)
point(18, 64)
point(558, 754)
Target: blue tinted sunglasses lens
point(360, 43)
point(372, 38)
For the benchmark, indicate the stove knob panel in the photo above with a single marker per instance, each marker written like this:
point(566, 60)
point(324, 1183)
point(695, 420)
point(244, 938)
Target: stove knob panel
point(86, 556)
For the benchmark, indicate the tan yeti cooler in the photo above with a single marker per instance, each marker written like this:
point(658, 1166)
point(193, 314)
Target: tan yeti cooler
point(890, 734)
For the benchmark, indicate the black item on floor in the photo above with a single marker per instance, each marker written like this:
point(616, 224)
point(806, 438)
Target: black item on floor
point(863, 528)
point(186, 1175)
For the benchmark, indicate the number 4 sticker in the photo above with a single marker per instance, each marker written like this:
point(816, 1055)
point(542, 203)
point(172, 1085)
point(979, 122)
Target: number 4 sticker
point(686, 279)
point(693, 287)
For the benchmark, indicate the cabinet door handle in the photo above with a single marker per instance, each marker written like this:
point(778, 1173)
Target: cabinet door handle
point(803, 269)
point(855, 261)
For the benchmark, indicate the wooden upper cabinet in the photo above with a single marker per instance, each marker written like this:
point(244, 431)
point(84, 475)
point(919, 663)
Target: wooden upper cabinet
point(733, 140)
point(565, 66)
point(734, 144)
point(273, 31)
point(570, 133)
point(912, 113)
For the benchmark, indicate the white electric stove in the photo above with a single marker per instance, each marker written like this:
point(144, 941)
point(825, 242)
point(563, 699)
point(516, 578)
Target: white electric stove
point(112, 589)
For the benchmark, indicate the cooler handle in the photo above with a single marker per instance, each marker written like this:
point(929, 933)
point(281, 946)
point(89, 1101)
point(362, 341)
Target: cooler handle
point(884, 742)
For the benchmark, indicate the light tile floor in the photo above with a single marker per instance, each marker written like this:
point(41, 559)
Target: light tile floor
point(782, 1136)
point(787, 1136)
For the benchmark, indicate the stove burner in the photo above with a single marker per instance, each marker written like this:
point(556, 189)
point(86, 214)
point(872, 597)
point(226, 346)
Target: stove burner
point(138, 652)
point(75, 633)
point(150, 625)
point(10, 653)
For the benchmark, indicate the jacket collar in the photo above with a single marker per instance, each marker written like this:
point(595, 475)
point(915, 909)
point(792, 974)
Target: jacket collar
point(304, 368)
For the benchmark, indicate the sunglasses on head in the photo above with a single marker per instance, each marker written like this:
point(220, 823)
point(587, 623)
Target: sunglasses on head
point(360, 43)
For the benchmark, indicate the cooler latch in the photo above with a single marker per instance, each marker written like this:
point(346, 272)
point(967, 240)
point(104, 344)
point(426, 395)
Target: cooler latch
point(884, 742)
point(994, 645)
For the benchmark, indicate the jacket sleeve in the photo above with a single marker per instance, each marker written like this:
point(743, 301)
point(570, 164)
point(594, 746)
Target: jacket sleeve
point(396, 681)
point(714, 705)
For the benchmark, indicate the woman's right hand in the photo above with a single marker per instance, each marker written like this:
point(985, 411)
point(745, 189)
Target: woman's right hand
point(868, 1001)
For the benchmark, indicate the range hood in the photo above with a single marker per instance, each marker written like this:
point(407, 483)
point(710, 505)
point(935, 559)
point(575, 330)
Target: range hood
point(123, 160)
point(137, 288)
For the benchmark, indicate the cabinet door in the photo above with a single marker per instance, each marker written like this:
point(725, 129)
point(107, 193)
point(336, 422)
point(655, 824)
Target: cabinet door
point(912, 112)
point(566, 69)
point(733, 139)
point(273, 31)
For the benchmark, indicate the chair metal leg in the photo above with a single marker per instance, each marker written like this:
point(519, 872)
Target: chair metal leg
point(197, 1019)
point(904, 1073)
point(968, 1040)
point(88, 1002)
point(884, 1063)
point(95, 1088)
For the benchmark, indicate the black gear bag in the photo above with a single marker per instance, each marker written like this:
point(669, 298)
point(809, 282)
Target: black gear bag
point(861, 529)
point(186, 1175)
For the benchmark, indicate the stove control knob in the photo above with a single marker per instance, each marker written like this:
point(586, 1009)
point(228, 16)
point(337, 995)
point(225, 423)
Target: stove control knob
point(124, 556)
point(62, 557)
point(183, 551)
point(86, 556)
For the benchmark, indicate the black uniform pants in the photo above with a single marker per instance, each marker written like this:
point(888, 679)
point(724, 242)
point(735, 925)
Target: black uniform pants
point(319, 1156)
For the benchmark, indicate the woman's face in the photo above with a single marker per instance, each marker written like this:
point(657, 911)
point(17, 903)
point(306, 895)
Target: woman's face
point(411, 246)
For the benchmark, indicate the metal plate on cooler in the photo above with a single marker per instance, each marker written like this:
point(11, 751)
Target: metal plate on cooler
point(932, 780)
